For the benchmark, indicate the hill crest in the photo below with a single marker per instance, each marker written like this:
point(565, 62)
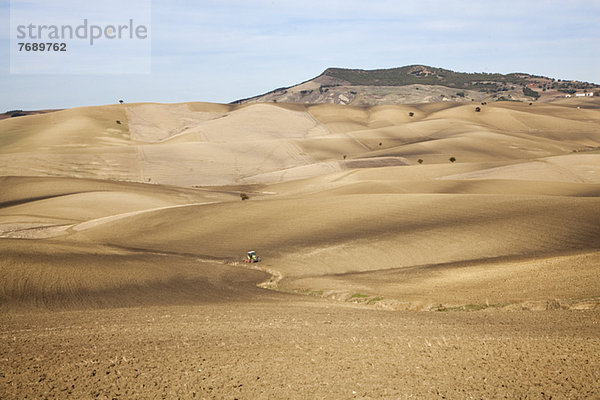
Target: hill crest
point(421, 84)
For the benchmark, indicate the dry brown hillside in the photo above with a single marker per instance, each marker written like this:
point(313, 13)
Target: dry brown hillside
point(338, 194)
point(121, 273)
point(200, 144)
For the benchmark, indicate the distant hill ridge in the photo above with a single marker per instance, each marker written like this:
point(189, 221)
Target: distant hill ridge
point(421, 84)
point(23, 113)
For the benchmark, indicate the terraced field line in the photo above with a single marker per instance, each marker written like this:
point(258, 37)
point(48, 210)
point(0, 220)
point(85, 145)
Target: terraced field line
point(32, 231)
point(103, 220)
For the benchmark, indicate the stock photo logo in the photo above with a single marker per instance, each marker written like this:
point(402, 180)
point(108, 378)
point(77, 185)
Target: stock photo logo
point(84, 31)
point(67, 37)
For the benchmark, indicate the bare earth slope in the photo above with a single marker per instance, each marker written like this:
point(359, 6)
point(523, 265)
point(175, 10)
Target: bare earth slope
point(382, 276)
point(210, 145)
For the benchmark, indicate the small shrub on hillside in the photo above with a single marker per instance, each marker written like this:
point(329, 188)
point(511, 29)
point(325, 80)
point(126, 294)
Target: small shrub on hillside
point(244, 196)
point(420, 161)
point(411, 114)
point(568, 91)
point(452, 159)
point(530, 93)
point(477, 109)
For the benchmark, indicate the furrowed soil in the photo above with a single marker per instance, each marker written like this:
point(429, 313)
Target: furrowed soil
point(290, 348)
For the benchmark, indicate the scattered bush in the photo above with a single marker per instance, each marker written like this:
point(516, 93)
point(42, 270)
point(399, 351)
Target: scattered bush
point(502, 98)
point(420, 161)
point(411, 114)
point(118, 122)
point(530, 93)
point(244, 196)
point(452, 159)
point(568, 91)
point(121, 101)
point(477, 109)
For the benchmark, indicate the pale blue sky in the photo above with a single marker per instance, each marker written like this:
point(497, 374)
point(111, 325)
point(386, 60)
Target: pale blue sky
point(223, 50)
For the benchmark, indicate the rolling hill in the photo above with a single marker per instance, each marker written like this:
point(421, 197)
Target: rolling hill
point(340, 196)
point(430, 250)
point(420, 84)
point(203, 144)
